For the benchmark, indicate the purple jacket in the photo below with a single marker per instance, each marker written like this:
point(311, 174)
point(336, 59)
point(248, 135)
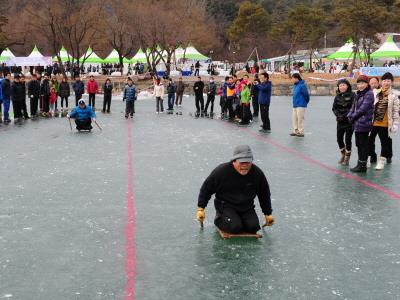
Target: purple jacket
point(362, 112)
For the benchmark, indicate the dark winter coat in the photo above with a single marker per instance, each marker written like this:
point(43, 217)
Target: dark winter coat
point(18, 92)
point(34, 89)
point(362, 112)
point(342, 105)
point(64, 89)
point(107, 89)
point(198, 87)
point(45, 88)
point(212, 89)
point(254, 91)
point(129, 93)
point(171, 88)
point(6, 89)
point(78, 87)
point(264, 92)
point(180, 87)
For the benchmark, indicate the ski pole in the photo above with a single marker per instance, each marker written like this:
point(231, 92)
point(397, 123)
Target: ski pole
point(70, 125)
point(95, 122)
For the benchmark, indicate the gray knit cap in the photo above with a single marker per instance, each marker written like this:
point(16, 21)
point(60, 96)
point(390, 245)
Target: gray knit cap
point(242, 153)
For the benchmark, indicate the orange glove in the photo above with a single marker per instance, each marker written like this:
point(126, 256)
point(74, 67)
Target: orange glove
point(200, 214)
point(269, 220)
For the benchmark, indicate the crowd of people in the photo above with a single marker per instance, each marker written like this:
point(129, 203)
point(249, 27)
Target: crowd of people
point(369, 112)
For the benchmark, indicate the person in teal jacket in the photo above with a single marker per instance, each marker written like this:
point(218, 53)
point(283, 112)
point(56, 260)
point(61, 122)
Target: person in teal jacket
point(301, 97)
point(84, 115)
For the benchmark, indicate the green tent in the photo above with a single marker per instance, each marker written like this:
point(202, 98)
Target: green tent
point(91, 57)
point(63, 55)
point(346, 52)
point(35, 53)
point(388, 49)
point(113, 58)
point(140, 56)
point(190, 53)
point(5, 55)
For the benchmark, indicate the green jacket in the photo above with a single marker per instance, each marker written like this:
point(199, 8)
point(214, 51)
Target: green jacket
point(245, 95)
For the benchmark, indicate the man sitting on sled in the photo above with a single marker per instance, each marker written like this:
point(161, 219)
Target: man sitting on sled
point(235, 185)
point(83, 115)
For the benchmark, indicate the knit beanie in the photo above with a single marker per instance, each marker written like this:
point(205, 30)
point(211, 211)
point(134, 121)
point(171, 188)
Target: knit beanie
point(363, 78)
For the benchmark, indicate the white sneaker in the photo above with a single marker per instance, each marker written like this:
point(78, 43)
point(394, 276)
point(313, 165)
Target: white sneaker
point(157, 112)
point(369, 163)
point(381, 163)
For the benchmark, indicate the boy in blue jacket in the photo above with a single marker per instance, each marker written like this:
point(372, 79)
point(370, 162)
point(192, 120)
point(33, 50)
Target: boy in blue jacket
point(130, 98)
point(83, 115)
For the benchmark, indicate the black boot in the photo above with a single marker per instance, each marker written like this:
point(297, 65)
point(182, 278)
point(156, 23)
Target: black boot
point(360, 168)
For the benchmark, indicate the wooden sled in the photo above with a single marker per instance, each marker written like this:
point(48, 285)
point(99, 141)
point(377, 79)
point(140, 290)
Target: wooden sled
point(226, 235)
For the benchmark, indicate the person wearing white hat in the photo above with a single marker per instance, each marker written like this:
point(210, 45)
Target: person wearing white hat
point(83, 115)
point(235, 185)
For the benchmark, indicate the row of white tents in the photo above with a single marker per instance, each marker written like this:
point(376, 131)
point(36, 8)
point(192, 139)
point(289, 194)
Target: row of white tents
point(35, 58)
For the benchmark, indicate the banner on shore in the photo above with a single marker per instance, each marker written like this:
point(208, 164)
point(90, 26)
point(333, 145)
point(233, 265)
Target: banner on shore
point(379, 71)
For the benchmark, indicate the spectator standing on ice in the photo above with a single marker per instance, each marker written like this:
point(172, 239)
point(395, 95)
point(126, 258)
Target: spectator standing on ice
point(361, 116)
point(33, 95)
point(344, 130)
point(79, 89)
point(159, 94)
point(64, 92)
point(171, 90)
point(6, 94)
point(197, 68)
point(211, 92)
point(130, 98)
point(180, 88)
point(385, 122)
point(92, 89)
point(17, 97)
point(107, 91)
point(198, 89)
point(264, 89)
point(301, 98)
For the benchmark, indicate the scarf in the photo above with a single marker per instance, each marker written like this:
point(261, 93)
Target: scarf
point(382, 105)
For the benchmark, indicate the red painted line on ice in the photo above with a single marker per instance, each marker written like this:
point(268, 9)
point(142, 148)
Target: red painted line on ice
point(322, 165)
point(130, 266)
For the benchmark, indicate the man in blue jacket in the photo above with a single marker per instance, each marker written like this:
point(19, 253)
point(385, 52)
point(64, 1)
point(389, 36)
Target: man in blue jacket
point(6, 96)
point(301, 98)
point(130, 98)
point(264, 89)
point(83, 115)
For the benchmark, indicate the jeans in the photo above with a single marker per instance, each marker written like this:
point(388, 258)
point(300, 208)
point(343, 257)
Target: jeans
point(362, 145)
point(171, 100)
point(6, 109)
point(129, 108)
point(386, 142)
point(264, 110)
point(344, 132)
point(159, 104)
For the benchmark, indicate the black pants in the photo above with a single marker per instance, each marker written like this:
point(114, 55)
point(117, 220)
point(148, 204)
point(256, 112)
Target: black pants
point(46, 103)
point(386, 142)
point(179, 97)
point(210, 100)
point(92, 100)
point(24, 109)
point(62, 102)
point(344, 134)
point(159, 104)
point(34, 105)
point(17, 108)
point(85, 124)
point(199, 102)
point(229, 107)
point(362, 145)
point(264, 110)
point(222, 103)
point(107, 103)
point(77, 98)
point(246, 113)
point(196, 72)
point(232, 221)
point(256, 107)
point(129, 108)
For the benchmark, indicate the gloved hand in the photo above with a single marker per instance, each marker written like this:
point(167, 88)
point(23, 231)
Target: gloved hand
point(200, 214)
point(269, 220)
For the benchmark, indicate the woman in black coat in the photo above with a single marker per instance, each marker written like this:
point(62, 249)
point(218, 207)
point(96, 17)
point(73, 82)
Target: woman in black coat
point(107, 90)
point(64, 92)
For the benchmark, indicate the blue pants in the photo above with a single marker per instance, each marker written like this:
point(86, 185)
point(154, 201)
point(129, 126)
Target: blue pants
point(6, 105)
point(171, 100)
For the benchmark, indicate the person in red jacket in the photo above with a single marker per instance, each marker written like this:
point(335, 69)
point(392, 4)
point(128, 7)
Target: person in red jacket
point(92, 89)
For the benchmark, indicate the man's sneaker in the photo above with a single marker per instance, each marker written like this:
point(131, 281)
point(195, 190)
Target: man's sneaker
point(293, 134)
point(300, 135)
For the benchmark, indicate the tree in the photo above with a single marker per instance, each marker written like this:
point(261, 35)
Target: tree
point(250, 25)
point(302, 25)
